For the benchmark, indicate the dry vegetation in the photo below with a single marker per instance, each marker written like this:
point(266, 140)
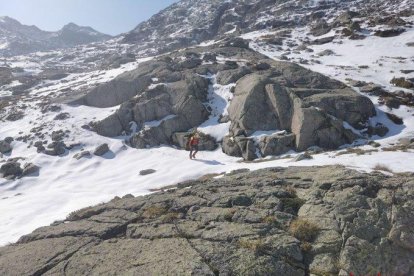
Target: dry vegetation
point(303, 230)
point(357, 151)
point(257, 246)
point(154, 212)
point(382, 167)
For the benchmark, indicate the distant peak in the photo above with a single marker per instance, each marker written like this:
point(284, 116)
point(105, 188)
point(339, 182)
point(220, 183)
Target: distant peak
point(71, 26)
point(7, 19)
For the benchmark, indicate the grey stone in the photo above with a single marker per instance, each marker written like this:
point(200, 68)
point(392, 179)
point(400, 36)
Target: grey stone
point(276, 144)
point(231, 76)
point(101, 149)
point(30, 169)
point(11, 169)
point(55, 148)
point(118, 90)
point(62, 116)
point(5, 147)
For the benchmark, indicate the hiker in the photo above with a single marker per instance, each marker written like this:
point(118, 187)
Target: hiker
point(193, 143)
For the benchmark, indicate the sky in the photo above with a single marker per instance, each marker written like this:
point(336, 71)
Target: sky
point(107, 16)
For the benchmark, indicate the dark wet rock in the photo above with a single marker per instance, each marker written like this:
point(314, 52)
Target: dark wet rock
point(101, 150)
point(30, 169)
point(147, 172)
point(9, 140)
point(231, 225)
point(395, 119)
point(389, 33)
point(392, 102)
point(55, 148)
point(39, 145)
point(5, 147)
point(378, 129)
point(11, 169)
point(58, 135)
point(324, 40)
point(62, 116)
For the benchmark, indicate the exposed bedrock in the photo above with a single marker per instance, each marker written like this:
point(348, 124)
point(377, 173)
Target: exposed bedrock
point(170, 94)
point(276, 221)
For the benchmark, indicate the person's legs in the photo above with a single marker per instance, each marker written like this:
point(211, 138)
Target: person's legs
point(191, 152)
point(195, 148)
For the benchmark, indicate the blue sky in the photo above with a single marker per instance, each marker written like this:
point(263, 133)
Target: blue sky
point(107, 16)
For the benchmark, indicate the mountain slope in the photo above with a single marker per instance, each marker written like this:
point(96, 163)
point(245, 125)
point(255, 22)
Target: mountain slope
point(17, 39)
point(345, 40)
point(191, 22)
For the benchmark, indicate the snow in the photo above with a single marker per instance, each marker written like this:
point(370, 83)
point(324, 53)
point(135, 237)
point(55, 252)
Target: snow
point(151, 124)
point(4, 45)
point(385, 57)
point(219, 98)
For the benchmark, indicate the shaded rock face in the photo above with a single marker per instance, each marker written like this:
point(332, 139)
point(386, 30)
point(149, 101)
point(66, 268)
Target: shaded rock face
point(309, 105)
point(245, 223)
point(269, 95)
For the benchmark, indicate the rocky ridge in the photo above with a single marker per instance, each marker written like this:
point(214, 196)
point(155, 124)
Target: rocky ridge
point(276, 221)
point(19, 39)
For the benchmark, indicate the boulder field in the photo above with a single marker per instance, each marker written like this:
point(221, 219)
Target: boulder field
point(173, 89)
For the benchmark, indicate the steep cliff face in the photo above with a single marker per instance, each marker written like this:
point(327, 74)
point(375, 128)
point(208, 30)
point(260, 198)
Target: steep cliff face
point(294, 221)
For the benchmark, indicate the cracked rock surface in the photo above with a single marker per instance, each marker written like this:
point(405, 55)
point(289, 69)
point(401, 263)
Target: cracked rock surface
point(277, 221)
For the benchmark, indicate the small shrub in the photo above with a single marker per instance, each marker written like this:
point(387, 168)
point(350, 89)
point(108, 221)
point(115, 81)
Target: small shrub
point(382, 167)
point(272, 221)
point(154, 212)
point(291, 191)
point(402, 82)
point(170, 217)
point(229, 215)
point(292, 205)
point(306, 246)
point(303, 230)
point(257, 246)
point(84, 213)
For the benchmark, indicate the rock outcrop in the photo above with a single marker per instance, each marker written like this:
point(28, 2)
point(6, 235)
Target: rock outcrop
point(169, 95)
point(292, 221)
